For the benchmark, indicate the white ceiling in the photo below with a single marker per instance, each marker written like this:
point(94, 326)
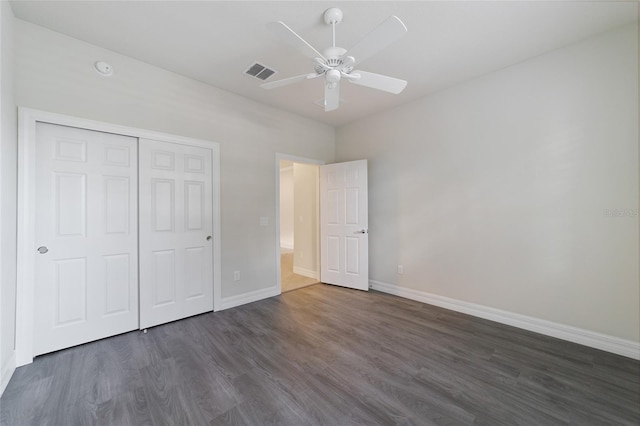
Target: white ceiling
point(215, 41)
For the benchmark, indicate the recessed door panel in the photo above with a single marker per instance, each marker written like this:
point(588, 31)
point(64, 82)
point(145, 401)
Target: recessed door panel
point(115, 155)
point(86, 230)
point(332, 253)
point(163, 202)
point(117, 275)
point(352, 205)
point(195, 271)
point(332, 207)
point(194, 164)
point(352, 177)
point(194, 205)
point(162, 160)
point(352, 255)
point(70, 150)
point(164, 277)
point(71, 291)
point(70, 204)
point(116, 204)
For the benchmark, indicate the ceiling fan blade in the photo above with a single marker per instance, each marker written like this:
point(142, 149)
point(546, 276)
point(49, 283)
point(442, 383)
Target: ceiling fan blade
point(378, 81)
point(288, 81)
point(331, 97)
point(382, 36)
point(290, 37)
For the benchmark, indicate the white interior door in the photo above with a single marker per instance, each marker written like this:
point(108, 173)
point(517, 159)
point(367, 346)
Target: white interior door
point(344, 233)
point(86, 271)
point(176, 225)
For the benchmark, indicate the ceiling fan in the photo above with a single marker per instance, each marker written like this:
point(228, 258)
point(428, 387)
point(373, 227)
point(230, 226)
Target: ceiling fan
point(336, 63)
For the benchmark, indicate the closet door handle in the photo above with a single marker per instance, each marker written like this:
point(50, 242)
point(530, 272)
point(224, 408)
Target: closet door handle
point(208, 237)
point(43, 249)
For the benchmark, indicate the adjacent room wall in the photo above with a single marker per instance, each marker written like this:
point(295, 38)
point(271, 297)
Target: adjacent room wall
point(8, 174)
point(55, 73)
point(286, 204)
point(517, 190)
point(305, 214)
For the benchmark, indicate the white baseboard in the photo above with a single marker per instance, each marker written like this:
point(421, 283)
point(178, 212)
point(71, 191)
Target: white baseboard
point(581, 336)
point(305, 272)
point(7, 371)
point(252, 296)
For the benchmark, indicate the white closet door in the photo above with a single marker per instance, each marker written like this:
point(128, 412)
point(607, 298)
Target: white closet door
point(176, 223)
point(344, 218)
point(86, 229)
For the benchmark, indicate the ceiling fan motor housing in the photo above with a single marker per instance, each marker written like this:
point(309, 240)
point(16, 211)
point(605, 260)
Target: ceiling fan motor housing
point(335, 59)
point(334, 54)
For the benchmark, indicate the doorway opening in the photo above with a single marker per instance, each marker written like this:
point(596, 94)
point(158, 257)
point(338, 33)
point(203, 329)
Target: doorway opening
point(299, 244)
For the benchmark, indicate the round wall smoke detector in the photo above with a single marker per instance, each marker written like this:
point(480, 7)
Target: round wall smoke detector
point(103, 68)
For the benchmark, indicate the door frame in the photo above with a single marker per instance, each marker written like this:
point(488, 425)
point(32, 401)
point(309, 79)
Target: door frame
point(294, 159)
point(27, 119)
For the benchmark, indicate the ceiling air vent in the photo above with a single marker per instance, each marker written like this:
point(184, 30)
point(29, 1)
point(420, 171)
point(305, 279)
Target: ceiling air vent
point(259, 71)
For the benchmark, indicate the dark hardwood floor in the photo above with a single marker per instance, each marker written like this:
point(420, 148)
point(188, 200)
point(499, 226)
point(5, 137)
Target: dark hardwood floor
point(327, 355)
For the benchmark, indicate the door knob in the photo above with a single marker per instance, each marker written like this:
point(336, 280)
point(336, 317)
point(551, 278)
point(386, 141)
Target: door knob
point(208, 237)
point(42, 249)
point(362, 231)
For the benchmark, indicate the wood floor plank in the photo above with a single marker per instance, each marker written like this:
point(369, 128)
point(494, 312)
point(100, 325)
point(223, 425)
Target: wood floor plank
point(326, 355)
point(128, 408)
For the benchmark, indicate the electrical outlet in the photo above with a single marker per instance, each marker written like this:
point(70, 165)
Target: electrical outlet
point(400, 269)
point(236, 275)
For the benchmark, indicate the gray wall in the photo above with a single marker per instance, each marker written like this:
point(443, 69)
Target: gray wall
point(143, 96)
point(286, 204)
point(496, 191)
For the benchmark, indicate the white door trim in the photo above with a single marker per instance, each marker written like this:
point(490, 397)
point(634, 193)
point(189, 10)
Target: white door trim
point(294, 159)
point(27, 119)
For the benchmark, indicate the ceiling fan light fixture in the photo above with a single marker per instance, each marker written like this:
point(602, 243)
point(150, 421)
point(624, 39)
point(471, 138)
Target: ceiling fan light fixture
point(322, 102)
point(336, 62)
point(332, 77)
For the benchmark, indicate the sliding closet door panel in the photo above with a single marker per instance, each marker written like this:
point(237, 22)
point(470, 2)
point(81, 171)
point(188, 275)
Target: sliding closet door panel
point(86, 278)
point(176, 255)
